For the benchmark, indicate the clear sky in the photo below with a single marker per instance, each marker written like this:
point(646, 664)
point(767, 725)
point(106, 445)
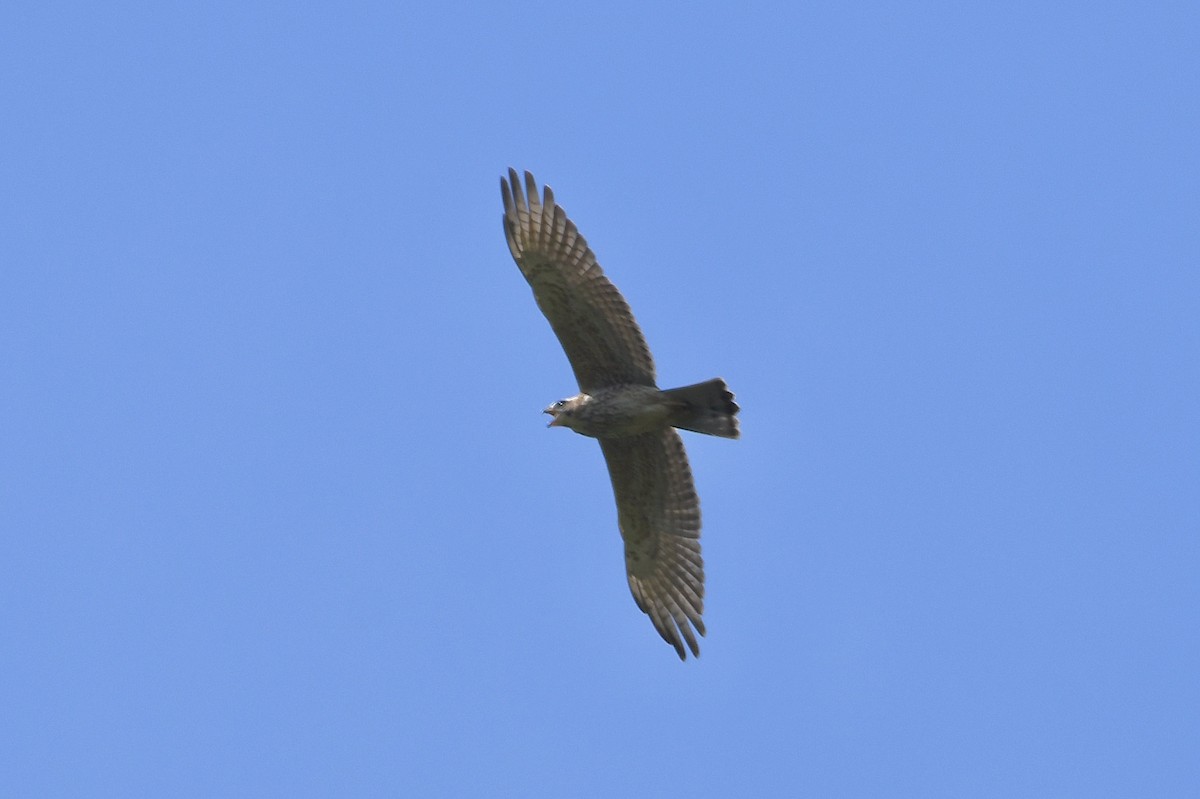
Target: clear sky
point(279, 514)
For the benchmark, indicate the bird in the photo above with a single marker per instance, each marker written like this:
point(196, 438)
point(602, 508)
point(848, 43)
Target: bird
point(620, 404)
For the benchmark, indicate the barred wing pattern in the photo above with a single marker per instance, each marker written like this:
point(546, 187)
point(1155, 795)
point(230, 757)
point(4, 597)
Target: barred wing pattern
point(590, 317)
point(659, 516)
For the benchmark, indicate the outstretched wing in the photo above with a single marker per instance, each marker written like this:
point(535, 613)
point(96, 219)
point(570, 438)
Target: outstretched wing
point(590, 317)
point(659, 516)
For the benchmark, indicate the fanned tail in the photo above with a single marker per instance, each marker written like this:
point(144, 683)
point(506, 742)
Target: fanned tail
point(706, 407)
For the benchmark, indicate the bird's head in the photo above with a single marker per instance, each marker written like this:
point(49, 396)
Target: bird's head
point(564, 412)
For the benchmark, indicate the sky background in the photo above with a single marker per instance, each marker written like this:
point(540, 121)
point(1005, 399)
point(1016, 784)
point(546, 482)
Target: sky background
point(279, 514)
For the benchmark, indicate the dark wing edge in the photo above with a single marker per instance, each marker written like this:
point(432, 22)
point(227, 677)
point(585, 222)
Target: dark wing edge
point(659, 516)
point(590, 317)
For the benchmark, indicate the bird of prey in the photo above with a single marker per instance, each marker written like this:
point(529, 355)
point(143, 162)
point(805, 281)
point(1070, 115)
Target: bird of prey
point(621, 406)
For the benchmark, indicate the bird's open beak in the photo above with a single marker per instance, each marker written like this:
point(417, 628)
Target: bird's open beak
point(554, 421)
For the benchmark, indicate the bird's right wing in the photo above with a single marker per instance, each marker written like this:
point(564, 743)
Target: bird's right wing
point(659, 517)
point(590, 317)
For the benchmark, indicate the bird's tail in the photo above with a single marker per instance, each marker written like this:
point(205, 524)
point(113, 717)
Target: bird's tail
point(706, 407)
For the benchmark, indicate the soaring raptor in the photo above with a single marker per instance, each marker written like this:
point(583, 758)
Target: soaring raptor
point(621, 406)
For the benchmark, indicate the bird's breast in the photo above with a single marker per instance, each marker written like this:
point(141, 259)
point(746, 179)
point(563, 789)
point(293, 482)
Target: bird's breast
point(622, 411)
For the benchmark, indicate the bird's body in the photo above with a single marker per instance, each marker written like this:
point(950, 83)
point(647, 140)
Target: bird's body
point(613, 412)
point(621, 405)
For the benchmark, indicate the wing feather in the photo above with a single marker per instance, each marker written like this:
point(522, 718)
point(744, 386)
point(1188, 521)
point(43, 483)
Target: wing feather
point(590, 317)
point(659, 516)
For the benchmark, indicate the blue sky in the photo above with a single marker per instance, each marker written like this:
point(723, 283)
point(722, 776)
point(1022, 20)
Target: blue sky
point(279, 514)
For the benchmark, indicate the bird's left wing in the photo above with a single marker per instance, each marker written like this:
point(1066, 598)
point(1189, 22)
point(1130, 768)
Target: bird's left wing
point(659, 516)
point(590, 317)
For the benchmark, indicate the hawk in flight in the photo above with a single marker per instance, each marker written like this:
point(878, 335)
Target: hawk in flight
point(621, 406)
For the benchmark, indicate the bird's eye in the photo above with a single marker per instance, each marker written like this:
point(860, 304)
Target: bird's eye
point(559, 404)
